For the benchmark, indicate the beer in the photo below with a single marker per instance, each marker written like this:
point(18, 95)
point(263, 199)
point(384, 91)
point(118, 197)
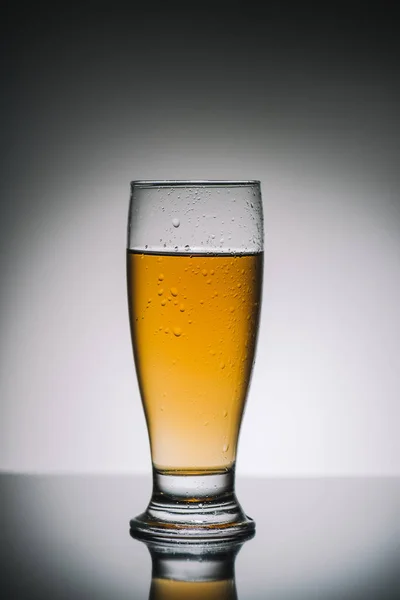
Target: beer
point(169, 589)
point(194, 321)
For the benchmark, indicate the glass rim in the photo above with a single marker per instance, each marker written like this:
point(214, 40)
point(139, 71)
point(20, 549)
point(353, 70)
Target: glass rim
point(149, 183)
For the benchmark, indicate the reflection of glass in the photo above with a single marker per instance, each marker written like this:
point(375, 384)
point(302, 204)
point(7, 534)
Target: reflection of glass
point(193, 571)
point(194, 265)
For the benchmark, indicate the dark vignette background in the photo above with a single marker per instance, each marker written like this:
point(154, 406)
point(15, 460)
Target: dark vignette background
point(303, 96)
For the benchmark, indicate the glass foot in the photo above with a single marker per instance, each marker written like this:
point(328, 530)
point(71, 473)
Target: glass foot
point(193, 508)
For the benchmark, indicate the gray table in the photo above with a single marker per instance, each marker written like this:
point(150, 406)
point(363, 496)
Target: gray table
point(68, 537)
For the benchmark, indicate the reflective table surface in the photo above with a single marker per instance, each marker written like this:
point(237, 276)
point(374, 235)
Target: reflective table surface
point(68, 537)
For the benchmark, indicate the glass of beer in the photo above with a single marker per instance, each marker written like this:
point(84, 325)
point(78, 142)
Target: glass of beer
point(194, 268)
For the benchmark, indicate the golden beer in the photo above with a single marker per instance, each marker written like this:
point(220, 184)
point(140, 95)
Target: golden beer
point(169, 589)
point(194, 321)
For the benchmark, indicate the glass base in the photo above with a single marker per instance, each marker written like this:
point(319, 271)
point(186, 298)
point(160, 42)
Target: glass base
point(193, 508)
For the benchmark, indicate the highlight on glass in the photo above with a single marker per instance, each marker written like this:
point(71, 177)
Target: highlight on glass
point(194, 270)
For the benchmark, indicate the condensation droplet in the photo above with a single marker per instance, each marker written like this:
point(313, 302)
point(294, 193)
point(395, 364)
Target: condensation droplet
point(174, 291)
point(212, 272)
point(175, 302)
point(225, 448)
point(204, 272)
point(222, 365)
point(182, 308)
point(160, 292)
point(225, 413)
point(163, 302)
point(176, 222)
point(161, 277)
point(231, 309)
point(166, 330)
point(177, 331)
point(208, 281)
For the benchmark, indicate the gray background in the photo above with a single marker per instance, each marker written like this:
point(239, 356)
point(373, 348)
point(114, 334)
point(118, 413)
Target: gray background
point(94, 96)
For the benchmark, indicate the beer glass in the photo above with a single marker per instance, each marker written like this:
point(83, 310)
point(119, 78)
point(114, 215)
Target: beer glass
point(194, 270)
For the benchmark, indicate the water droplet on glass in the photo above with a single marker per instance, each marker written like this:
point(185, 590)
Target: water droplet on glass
point(174, 291)
point(176, 222)
point(225, 448)
point(225, 413)
point(160, 292)
point(177, 331)
point(204, 272)
point(163, 302)
point(161, 277)
point(166, 330)
point(182, 308)
point(231, 309)
point(222, 365)
point(212, 272)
